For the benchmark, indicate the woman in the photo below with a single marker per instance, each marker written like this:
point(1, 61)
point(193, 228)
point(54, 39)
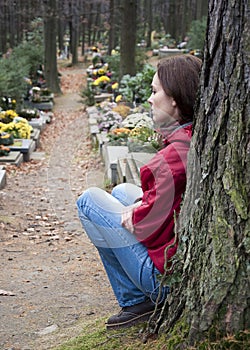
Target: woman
point(133, 227)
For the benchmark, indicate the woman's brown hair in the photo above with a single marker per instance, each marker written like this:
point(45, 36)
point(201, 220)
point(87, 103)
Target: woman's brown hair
point(179, 77)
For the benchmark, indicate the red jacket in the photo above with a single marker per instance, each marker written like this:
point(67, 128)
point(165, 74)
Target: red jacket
point(163, 182)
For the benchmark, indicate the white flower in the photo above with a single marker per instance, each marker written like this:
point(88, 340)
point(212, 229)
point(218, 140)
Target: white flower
point(137, 119)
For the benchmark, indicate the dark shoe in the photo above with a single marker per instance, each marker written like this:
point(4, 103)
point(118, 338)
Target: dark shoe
point(131, 315)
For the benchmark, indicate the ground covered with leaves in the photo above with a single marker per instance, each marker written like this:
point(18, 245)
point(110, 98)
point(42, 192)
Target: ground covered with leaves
point(51, 279)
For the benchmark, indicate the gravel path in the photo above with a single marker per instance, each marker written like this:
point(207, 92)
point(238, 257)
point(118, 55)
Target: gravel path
point(51, 278)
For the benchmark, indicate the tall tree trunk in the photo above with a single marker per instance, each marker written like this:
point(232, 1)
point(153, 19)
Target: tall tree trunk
point(50, 30)
point(149, 19)
point(83, 37)
point(128, 37)
point(90, 21)
point(60, 26)
point(213, 296)
point(111, 42)
point(3, 41)
point(75, 31)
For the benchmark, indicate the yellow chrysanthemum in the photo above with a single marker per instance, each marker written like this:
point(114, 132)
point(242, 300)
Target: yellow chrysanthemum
point(102, 79)
point(101, 71)
point(115, 86)
point(20, 129)
point(118, 98)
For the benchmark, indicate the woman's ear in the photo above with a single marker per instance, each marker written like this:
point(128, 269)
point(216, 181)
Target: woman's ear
point(174, 104)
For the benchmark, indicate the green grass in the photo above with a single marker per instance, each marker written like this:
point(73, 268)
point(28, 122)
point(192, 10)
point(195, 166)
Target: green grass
point(95, 336)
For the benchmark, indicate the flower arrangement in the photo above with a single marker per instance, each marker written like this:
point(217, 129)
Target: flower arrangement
point(8, 116)
point(139, 139)
point(7, 103)
point(122, 109)
point(118, 136)
point(6, 139)
point(109, 120)
point(19, 128)
point(4, 151)
point(38, 94)
point(143, 139)
point(101, 81)
point(135, 120)
point(29, 114)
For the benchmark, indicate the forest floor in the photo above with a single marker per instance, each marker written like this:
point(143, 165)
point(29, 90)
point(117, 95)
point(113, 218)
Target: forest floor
point(51, 278)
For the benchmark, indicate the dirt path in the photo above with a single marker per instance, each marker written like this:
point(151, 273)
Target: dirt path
point(51, 274)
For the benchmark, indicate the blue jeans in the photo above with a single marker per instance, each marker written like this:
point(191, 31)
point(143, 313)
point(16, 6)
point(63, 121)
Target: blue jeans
point(130, 270)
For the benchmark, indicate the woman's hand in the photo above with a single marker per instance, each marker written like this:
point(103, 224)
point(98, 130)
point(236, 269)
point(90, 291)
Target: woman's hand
point(127, 216)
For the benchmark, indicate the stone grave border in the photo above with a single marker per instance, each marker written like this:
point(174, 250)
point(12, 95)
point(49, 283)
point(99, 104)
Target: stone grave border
point(120, 164)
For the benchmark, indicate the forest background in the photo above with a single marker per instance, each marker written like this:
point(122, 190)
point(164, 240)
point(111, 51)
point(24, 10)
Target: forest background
point(41, 30)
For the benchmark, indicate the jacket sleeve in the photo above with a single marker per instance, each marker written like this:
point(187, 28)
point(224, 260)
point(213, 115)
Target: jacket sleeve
point(160, 183)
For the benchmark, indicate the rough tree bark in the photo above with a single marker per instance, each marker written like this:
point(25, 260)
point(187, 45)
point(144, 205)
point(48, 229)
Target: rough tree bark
point(128, 37)
point(50, 31)
point(111, 37)
point(212, 296)
point(74, 42)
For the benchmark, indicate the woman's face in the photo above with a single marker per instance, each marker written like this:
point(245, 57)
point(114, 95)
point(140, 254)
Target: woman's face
point(164, 108)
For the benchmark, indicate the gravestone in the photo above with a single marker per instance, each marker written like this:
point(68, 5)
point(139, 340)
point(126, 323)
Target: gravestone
point(111, 154)
point(24, 146)
point(35, 136)
point(14, 158)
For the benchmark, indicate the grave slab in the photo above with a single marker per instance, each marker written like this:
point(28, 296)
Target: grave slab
point(14, 158)
point(92, 121)
point(3, 177)
point(92, 110)
point(35, 136)
point(131, 173)
point(111, 154)
point(101, 140)
point(141, 158)
point(42, 106)
point(121, 170)
point(136, 161)
point(103, 97)
point(25, 146)
point(37, 123)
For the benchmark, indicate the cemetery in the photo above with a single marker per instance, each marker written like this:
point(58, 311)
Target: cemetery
point(20, 133)
point(121, 131)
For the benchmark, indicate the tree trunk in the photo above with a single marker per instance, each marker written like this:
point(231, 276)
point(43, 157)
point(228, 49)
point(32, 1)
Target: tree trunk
point(75, 31)
point(213, 295)
point(50, 30)
point(149, 19)
point(111, 42)
point(128, 38)
point(3, 32)
point(90, 21)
